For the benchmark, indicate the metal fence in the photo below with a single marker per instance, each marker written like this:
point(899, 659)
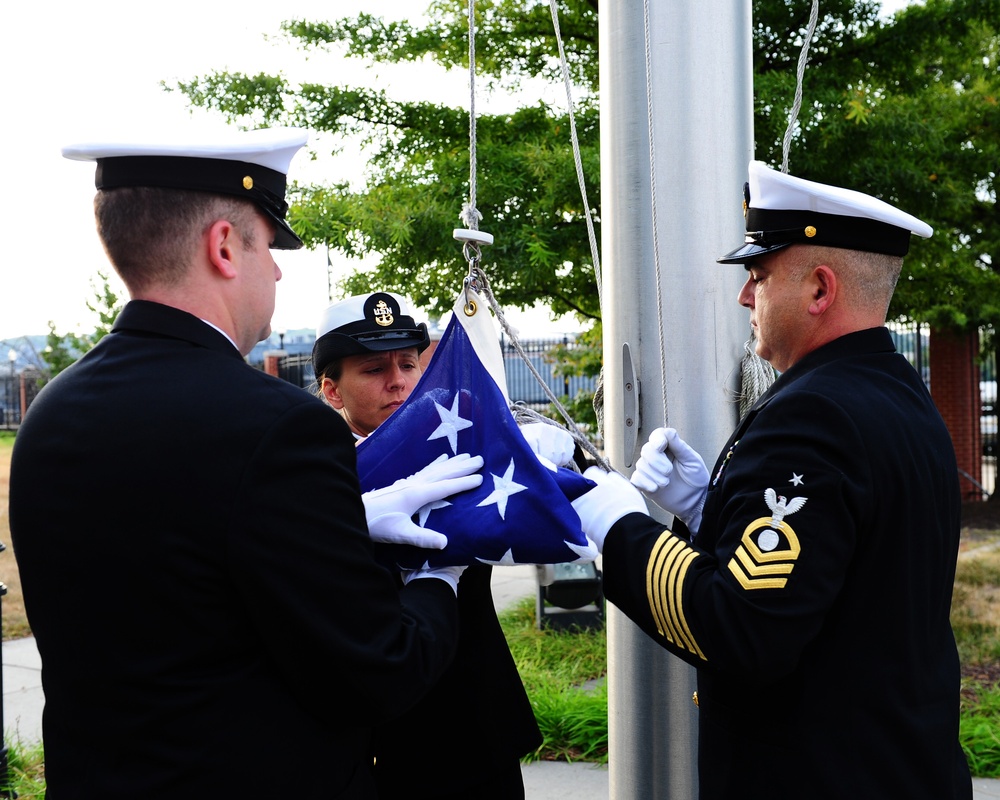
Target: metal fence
point(17, 390)
point(912, 340)
point(10, 410)
point(298, 369)
point(988, 419)
point(522, 385)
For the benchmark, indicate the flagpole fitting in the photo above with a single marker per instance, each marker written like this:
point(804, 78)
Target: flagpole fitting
point(472, 240)
point(470, 283)
point(468, 235)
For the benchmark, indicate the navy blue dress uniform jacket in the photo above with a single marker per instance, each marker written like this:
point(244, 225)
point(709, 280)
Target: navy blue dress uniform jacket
point(198, 575)
point(815, 598)
point(478, 716)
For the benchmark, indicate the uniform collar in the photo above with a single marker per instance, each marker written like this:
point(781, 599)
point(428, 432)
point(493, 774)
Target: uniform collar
point(146, 316)
point(858, 343)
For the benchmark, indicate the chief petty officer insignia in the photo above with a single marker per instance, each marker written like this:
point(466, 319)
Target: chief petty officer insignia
point(769, 547)
point(383, 314)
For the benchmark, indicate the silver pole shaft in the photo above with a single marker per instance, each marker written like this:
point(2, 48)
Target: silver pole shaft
point(702, 86)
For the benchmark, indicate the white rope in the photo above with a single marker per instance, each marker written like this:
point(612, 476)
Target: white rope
point(652, 186)
point(756, 375)
point(799, 76)
point(483, 287)
point(470, 215)
point(577, 160)
point(476, 278)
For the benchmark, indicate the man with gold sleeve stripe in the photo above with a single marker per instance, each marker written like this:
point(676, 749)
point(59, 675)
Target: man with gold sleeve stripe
point(808, 576)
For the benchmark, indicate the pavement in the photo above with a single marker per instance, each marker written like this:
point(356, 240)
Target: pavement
point(543, 780)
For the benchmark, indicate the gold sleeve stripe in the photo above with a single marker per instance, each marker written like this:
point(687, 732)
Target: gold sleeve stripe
point(665, 572)
point(761, 569)
point(748, 582)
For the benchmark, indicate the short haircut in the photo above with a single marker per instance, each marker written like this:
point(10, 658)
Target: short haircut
point(150, 234)
point(867, 278)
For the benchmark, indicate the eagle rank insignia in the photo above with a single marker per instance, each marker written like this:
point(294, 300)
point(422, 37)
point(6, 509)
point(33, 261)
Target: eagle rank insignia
point(769, 547)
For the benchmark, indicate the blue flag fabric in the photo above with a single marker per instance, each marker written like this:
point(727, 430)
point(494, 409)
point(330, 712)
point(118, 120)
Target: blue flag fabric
point(521, 514)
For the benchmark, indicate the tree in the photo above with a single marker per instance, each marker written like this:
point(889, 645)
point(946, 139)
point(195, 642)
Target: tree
point(904, 109)
point(419, 169)
point(63, 349)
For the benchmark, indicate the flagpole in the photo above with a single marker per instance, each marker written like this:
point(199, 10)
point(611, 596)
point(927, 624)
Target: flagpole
point(701, 126)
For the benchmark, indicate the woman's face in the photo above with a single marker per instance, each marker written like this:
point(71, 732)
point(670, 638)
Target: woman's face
point(372, 386)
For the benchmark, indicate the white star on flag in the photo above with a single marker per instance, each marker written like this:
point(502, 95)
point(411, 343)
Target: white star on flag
point(425, 511)
point(507, 560)
point(503, 488)
point(458, 406)
point(451, 424)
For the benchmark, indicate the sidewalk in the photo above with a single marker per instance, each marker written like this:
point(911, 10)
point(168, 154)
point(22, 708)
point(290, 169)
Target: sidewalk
point(544, 780)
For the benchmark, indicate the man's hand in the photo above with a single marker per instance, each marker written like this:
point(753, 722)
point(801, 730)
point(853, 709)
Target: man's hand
point(389, 509)
point(671, 474)
point(605, 504)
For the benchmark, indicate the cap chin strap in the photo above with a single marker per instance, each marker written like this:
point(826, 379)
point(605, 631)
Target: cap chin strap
point(768, 228)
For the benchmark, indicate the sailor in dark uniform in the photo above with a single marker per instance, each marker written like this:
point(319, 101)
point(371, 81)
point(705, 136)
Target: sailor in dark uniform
point(812, 586)
point(367, 359)
point(193, 548)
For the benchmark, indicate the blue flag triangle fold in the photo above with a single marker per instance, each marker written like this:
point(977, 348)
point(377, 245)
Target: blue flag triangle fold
point(521, 514)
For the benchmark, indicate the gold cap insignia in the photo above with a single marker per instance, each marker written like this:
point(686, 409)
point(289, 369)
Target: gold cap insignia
point(383, 314)
point(247, 182)
point(810, 231)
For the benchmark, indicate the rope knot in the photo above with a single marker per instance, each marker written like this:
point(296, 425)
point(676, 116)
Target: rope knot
point(470, 216)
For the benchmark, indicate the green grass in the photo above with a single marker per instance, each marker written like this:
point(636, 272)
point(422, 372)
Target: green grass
point(559, 669)
point(975, 608)
point(979, 730)
point(563, 672)
point(26, 770)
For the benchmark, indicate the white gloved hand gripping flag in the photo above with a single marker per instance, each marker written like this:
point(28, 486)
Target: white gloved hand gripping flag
point(522, 512)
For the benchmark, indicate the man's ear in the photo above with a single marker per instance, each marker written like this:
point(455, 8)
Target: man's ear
point(823, 282)
point(331, 393)
point(223, 244)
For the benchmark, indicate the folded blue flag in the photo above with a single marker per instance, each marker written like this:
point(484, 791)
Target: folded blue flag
point(521, 514)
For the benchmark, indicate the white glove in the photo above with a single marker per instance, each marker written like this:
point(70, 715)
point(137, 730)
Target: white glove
point(389, 509)
point(449, 575)
point(606, 503)
point(550, 442)
point(673, 475)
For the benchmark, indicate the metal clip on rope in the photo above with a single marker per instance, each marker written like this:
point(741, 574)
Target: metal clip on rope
point(471, 242)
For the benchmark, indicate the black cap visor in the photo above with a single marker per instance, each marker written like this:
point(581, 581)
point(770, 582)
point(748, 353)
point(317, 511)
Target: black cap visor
point(284, 237)
point(750, 251)
point(334, 345)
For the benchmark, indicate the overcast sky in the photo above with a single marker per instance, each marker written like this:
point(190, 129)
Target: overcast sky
point(79, 71)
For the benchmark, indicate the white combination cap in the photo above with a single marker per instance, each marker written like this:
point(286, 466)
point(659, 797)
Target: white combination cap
point(783, 210)
point(248, 164)
point(366, 323)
